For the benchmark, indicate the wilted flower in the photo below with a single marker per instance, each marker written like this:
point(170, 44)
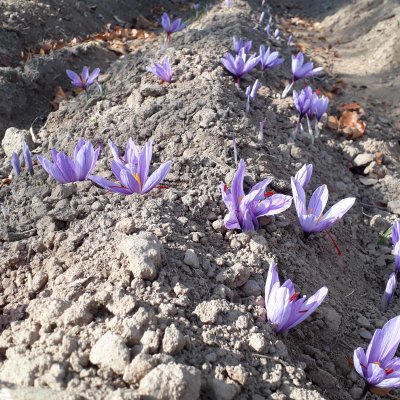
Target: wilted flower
point(311, 218)
point(239, 44)
point(378, 366)
point(132, 171)
point(268, 59)
point(300, 70)
point(65, 170)
point(171, 27)
point(251, 93)
point(27, 157)
point(285, 308)
point(240, 65)
point(244, 210)
point(84, 80)
point(163, 70)
point(15, 163)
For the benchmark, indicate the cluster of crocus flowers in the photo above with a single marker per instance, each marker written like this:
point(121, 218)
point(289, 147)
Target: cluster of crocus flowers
point(239, 43)
point(171, 27)
point(391, 285)
point(285, 307)
point(65, 170)
point(269, 59)
point(251, 94)
point(16, 163)
point(244, 210)
point(163, 70)
point(378, 366)
point(85, 80)
point(132, 171)
point(301, 70)
point(311, 217)
point(239, 65)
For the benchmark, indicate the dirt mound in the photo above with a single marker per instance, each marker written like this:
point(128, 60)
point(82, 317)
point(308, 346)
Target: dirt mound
point(114, 297)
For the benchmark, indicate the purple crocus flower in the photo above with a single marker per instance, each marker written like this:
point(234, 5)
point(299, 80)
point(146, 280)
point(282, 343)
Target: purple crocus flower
point(251, 93)
point(84, 80)
point(244, 210)
point(378, 366)
point(239, 66)
point(390, 289)
point(27, 157)
point(171, 27)
point(196, 6)
point(300, 70)
point(311, 218)
point(268, 59)
point(15, 163)
point(396, 244)
point(394, 276)
point(239, 44)
point(285, 308)
point(65, 170)
point(303, 103)
point(132, 171)
point(163, 70)
point(320, 106)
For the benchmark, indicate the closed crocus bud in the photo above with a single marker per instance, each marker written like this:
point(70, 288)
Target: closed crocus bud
point(15, 163)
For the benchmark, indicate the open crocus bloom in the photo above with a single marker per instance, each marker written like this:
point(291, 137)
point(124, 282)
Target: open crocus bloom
point(162, 70)
point(84, 80)
point(244, 210)
point(132, 171)
point(377, 365)
point(311, 218)
point(65, 170)
point(285, 308)
point(171, 27)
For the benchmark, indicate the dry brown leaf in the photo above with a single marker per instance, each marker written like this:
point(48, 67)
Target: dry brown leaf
point(333, 122)
point(379, 391)
point(351, 125)
point(379, 157)
point(59, 96)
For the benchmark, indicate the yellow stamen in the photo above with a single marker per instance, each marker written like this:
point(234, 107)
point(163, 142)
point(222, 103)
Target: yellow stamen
point(137, 178)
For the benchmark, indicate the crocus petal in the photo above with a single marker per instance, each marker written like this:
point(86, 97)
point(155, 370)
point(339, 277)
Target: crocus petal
point(75, 78)
point(299, 197)
point(309, 306)
point(51, 169)
point(389, 291)
point(144, 162)
point(396, 232)
point(248, 223)
point(339, 209)
point(27, 157)
point(359, 359)
point(66, 167)
point(157, 176)
point(85, 74)
point(318, 201)
point(237, 185)
point(92, 77)
point(272, 278)
point(275, 204)
point(304, 174)
point(109, 185)
point(278, 306)
point(375, 374)
point(231, 222)
point(15, 163)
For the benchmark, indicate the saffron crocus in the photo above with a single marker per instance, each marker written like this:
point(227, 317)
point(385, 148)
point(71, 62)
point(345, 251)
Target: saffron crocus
point(394, 276)
point(84, 80)
point(268, 59)
point(251, 93)
point(66, 170)
point(311, 218)
point(239, 44)
point(27, 157)
point(239, 66)
point(244, 210)
point(163, 70)
point(300, 70)
point(285, 308)
point(132, 171)
point(303, 103)
point(15, 163)
point(319, 107)
point(171, 27)
point(378, 366)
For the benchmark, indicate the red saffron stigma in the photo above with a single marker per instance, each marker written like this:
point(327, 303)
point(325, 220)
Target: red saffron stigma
point(225, 187)
point(294, 296)
point(163, 187)
point(389, 371)
point(318, 92)
point(339, 252)
point(303, 311)
point(268, 194)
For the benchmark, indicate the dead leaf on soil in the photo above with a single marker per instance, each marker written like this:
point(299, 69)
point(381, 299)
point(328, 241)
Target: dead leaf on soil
point(333, 123)
point(379, 157)
point(351, 125)
point(379, 391)
point(59, 96)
